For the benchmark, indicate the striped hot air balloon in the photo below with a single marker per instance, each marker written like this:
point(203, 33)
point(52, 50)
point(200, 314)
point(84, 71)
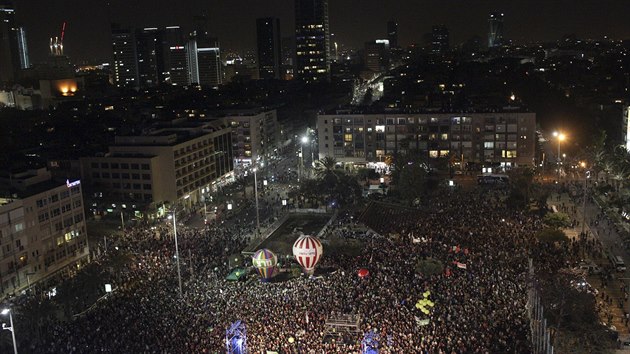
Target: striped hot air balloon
point(307, 251)
point(265, 263)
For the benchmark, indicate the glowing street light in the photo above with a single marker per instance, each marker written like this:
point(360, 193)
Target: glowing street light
point(256, 193)
point(179, 274)
point(560, 137)
point(5, 312)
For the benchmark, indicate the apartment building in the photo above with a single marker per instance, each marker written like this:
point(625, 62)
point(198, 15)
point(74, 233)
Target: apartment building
point(256, 133)
point(181, 163)
point(42, 229)
point(505, 139)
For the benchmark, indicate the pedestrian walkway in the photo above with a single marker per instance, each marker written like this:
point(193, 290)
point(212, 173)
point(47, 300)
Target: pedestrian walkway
point(612, 297)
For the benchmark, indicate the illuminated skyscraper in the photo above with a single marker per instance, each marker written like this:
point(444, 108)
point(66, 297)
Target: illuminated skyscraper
point(392, 34)
point(150, 56)
point(125, 57)
point(9, 44)
point(495, 34)
point(23, 48)
point(440, 43)
point(204, 55)
point(269, 45)
point(377, 55)
point(312, 40)
point(176, 57)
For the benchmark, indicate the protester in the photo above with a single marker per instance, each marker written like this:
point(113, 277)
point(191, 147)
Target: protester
point(479, 297)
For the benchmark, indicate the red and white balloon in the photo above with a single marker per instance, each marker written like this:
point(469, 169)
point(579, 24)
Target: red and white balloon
point(307, 251)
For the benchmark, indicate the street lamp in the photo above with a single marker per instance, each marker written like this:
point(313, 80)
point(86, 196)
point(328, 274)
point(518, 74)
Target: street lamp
point(587, 175)
point(561, 137)
point(179, 274)
point(256, 194)
point(304, 141)
point(12, 328)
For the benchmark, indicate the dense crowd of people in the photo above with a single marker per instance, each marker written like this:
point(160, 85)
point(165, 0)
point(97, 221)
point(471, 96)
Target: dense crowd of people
point(479, 296)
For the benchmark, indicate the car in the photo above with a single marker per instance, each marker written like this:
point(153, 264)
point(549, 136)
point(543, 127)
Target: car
point(590, 268)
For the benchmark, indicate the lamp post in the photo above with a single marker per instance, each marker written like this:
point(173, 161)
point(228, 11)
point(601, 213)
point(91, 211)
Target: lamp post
point(12, 328)
point(587, 175)
point(179, 274)
point(560, 136)
point(256, 195)
point(304, 141)
point(28, 280)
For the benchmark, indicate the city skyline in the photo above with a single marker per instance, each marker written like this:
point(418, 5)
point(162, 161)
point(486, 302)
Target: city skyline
point(88, 36)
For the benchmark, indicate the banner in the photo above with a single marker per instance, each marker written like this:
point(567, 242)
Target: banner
point(421, 322)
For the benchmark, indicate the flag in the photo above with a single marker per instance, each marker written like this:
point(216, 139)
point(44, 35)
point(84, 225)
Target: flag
point(461, 265)
point(306, 317)
point(421, 322)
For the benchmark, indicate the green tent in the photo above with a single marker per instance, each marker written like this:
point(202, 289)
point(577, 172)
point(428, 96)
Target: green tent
point(237, 274)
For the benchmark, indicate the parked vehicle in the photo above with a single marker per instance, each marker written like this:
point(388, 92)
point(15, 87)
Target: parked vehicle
point(618, 263)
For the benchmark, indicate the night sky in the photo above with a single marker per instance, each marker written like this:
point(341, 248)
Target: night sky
point(352, 21)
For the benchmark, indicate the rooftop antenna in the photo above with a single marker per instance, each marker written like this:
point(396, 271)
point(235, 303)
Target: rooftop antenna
point(63, 33)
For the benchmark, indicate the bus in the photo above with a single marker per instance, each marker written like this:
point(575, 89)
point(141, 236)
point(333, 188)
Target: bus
point(492, 179)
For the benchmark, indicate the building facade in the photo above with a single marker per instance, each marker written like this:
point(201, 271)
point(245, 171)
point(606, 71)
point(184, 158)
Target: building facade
point(9, 44)
point(269, 47)
point(125, 57)
point(256, 134)
point(377, 55)
point(176, 57)
point(172, 164)
point(505, 139)
point(392, 33)
point(42, 229)
point(440, 42)
point(495, 32)
point(312, 40)
point(210, 67)
point(149, 56)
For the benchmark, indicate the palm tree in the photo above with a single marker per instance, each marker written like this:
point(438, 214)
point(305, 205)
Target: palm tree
point(620, 165)
point(326, 168)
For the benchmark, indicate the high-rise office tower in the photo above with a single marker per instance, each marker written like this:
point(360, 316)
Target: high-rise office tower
point(495, 33)
point(209, 61)
point(288, 58)
point(9, 47)
point(150, 56)
point(204, 56)
point(192, 62)
point(312, 40)
point(392, 33)
point(200, 23)
point(376, 55)
point(439, 40)
point(176, 58)
point(23, 48)
point(269, 46)
point(125, 57)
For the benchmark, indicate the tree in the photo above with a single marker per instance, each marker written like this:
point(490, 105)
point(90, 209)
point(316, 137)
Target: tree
point(339, 186)
point(551, 235)
point(557, 220)
point(430, 267)
point(326, 168)
point(410, 175)
point(521, 187)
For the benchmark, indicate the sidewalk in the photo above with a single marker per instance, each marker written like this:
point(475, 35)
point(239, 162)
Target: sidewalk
point(611, 243)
